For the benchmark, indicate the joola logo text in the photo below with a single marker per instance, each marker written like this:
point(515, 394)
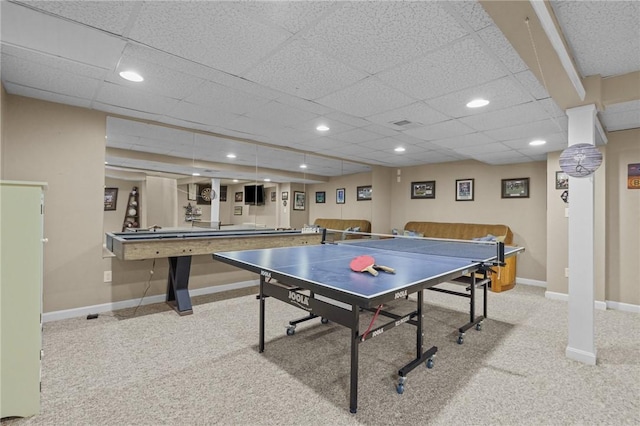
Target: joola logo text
point(402, 320)
point(377, 332)
point(265, 274)
point(400, 294)
point(299, 298)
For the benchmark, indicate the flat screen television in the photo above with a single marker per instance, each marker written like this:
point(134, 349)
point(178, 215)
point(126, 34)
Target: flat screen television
point(254, 195)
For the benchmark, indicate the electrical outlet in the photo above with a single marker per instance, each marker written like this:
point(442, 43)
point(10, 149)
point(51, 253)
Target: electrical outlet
point(107, 276)
point(566, 272)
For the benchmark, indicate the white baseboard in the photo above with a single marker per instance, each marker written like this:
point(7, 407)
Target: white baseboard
point(627, 307)
point(527, 281)
point(598, 304)
point(132, 303)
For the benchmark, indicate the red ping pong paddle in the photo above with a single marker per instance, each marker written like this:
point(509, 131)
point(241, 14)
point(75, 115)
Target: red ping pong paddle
point(363, 263)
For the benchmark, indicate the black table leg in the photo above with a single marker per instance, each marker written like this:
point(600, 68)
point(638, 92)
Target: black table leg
point(355, 342)
point(178, 284)
point(262, 309)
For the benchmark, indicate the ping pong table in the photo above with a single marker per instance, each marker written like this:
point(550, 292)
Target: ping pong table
point(312, 278)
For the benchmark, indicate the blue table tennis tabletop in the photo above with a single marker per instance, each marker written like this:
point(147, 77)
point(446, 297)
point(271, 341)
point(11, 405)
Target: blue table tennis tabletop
point(418, 262)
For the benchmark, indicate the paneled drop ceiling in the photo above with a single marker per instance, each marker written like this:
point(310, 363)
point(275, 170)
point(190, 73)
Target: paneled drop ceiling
point(257, 78)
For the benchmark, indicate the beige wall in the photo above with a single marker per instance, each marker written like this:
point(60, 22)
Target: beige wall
point(623, 219)
point(65, 147)
point(351, 209)
point(161, 202)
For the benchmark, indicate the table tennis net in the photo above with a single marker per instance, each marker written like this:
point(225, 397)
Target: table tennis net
point(472, 250)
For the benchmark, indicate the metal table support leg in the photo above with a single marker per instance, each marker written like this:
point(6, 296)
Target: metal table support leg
point(178, 284)
point(355, 342)
point(262, 309)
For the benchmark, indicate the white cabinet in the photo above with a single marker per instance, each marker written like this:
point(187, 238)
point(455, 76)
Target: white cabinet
point(21, 239)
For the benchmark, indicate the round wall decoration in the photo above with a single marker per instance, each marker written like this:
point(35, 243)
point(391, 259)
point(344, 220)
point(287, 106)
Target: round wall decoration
point(580, 160)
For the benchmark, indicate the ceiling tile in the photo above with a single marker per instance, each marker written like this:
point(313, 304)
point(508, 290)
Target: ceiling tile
point(158, 79)
point(111, 16)
point(215, 34)
point(531, 84)
point(535, 130)
point(365, 34)
point(446, 129)
point(471, 12)
point(501, 93)
point(225, 98)
point(127, 97)
point(499, 46)
point(601, 35)
point(621, 116)
point(459, 66)
point(417, 113)
point(299, 70)
point(47, 79)
point(279, 114)
point(366, 97)
point(49, 61)
point(463, 141)
point(29, 92)
point(200, 114)
point(292, 16)
point(514, 115)
point(27, 28)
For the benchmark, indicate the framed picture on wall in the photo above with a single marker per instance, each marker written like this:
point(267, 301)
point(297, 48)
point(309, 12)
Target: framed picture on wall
point(110, 198)
point(562, 180)
point(298, 200)
point(320, 197)
point(273, 196)
point(223, 193)
point(285, 196)
point(464, 189)
point(364, 193)
point(237, 211)
point(238, 197)
point(340, 196)
point(425, 189)
point(515, 188)
point(191, 192)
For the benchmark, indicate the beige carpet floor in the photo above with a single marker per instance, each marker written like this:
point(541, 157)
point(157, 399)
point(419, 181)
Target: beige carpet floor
point(159, 368)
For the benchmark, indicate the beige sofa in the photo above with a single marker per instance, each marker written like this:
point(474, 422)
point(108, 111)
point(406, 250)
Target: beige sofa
point(343, 225)
point(506, 279)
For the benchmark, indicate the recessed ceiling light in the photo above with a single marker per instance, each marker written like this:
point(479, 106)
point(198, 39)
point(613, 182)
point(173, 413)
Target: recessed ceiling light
point(267, 180)
point(477, 103)
point(399, 149)
point(195, 174)
point(537, 142)
point(322, 128)
point(131, 76)
point(303, 166)
point(231, 156)
point(235, 180)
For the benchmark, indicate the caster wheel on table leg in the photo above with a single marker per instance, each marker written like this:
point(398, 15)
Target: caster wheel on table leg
point(291, 331)
point(323, 320)
point(400, 389)
point(460, 340)
point(429, 363)
point(479, 326)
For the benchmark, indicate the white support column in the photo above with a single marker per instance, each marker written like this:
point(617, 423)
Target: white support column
point(581, 346)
